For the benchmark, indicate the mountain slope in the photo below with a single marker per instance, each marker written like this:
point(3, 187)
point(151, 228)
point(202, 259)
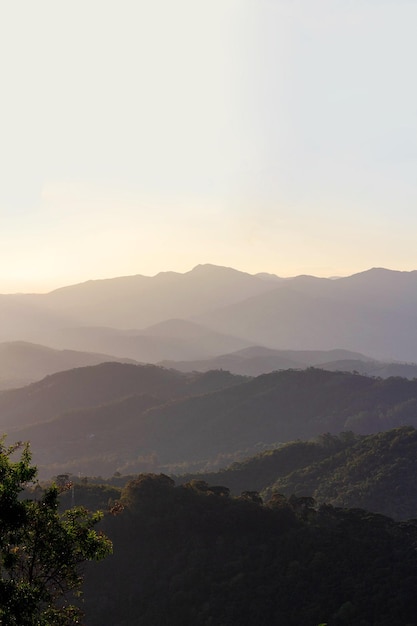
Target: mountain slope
point(22, 362)
point(375, 472)
point(83, 387)
point(97, 386)
point(171, 339)
point(139, 301)
point(198, 421)
point(257, 360)
point(185, 556)
point(373, 312)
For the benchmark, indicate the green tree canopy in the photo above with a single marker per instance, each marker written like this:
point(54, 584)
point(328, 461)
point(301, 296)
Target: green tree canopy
point(41, 550)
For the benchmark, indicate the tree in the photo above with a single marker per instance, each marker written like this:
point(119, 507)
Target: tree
point(41, 550)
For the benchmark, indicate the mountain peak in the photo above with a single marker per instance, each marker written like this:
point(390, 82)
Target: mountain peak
point(381, 275)
point(209, 268)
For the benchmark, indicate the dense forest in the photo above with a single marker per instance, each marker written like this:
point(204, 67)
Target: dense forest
point(316, 528)
point(211, 549)
point(192, 554)
point(376, 472)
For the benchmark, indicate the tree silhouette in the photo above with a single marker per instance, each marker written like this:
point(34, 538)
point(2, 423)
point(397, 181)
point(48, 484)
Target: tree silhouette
point(41, 550)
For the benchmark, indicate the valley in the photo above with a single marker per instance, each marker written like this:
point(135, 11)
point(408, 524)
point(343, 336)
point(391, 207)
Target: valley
point(174, 405)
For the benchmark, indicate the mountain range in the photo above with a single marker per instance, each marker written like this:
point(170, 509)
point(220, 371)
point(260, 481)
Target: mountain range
point(186, 374)
point(214, 310)
point(257, 360)
point(186, 410)
point(22, 362)
point(130, 418)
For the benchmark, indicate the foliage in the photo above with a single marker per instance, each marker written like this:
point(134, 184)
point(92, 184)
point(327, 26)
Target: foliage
point(192, 555)
point(41, 551)
point(375, 472)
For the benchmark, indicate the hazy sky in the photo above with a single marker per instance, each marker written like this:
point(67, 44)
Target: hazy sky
point(138, 136)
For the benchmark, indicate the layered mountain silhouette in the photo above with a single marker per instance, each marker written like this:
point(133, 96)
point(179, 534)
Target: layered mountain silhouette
point(22, 362)
point(170, 339)
point(257, 360)
point(129, 302)
point(304, 430)
point(373, 313)
point(114, 417)
point(145, 318)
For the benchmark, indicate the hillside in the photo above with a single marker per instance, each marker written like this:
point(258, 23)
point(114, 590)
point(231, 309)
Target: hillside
point(124, 303)
point(22, 362)
point(257, 360)
point(374, 368)
point(191, 555)
point(171, 339)
point(374, 472)
point(82, 387)
point(97, 386)
point(377, 473)
point(192, 421)
point(369, 313)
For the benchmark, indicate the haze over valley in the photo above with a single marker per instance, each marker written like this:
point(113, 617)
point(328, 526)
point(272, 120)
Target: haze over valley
point(214, 329)
point(213, 310)
point(208, 313)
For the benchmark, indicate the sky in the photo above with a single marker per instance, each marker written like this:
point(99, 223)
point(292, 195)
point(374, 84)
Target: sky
point(267, 135)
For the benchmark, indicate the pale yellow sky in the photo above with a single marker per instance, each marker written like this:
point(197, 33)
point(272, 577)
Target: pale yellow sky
point(139, 137)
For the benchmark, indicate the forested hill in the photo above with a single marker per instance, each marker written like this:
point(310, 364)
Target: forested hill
point(116, 417)
point(192, 555)
point(375, 472)
point(100, 385)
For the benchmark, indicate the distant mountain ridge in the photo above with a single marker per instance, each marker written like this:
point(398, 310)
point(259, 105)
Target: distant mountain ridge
point(373, 312)
point(22, 362)
point(257, 360)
